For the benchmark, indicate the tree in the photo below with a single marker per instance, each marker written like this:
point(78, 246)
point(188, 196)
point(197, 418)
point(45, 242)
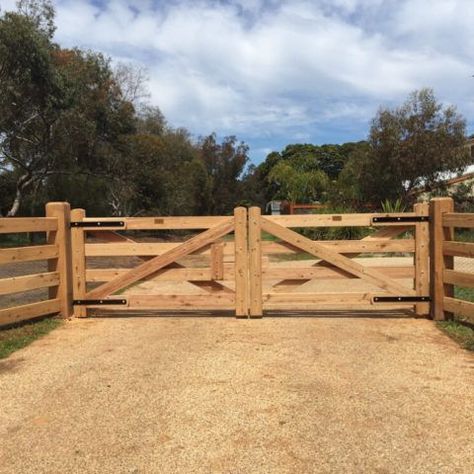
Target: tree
point(306, 158)
point(63, 112)
point(298, 185)
point(225, 164)
point(411, 146)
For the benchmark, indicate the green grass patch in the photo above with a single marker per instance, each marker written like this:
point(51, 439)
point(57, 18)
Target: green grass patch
point(15, 338)
point(466, 294)
point(463, 334)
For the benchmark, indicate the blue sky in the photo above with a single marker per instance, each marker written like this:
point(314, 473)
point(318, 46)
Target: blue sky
point(275, 72)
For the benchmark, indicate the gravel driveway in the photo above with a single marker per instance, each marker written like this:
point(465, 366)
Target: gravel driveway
point(219, 395)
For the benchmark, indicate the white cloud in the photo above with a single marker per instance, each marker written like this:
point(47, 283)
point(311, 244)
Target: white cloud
point(261, 68)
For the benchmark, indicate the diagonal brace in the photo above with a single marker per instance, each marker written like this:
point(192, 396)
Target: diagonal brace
point(157, 263)
point(335, 258)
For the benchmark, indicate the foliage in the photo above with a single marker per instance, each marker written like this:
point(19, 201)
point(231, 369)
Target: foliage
point(463, 197)
point(411, 146)
point(63, 112)
point(298, 185)
point(225, 163)
point(319, 163)
point(75, 128)
point(389, 206)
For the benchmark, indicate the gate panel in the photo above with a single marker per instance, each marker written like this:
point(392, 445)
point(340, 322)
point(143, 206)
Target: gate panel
point(297, 273)
point(205, 272)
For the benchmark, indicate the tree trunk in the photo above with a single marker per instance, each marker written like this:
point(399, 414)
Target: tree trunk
point(23, 182)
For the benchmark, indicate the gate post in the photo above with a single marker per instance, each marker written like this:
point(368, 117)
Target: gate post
point(241, 262)
point(422, 258)
point(62, 264)
point(439, 262)
point(79, 285)
point(255, 260)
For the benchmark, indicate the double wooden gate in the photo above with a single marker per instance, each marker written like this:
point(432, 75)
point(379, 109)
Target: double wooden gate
point(249, 263)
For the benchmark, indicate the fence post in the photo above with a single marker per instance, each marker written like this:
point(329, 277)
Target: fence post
point(439, 206)
point(255, 260)
point(241, 262)
point(422, 258)
point(79, 284)
point(62, 238)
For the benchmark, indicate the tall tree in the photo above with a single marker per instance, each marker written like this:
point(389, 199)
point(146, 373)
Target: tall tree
point(63, 111)
point(410, 146)
point(225, 164)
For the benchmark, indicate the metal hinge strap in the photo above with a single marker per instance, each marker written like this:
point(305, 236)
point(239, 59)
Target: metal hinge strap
point(401, 299)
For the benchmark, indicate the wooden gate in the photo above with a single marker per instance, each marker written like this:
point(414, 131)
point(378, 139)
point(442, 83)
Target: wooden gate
point(289, 271)
point(252, 263)
point(208, 271)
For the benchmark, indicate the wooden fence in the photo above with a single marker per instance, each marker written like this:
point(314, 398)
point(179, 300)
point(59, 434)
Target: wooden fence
point(56, 251)
point(445, 250)
point(232, 263)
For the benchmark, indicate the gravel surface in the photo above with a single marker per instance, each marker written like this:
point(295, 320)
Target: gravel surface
point(220, 395)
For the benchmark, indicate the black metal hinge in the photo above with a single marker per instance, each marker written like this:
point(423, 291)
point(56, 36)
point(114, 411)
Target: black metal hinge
point(407, 219)
point(99, 302)
point(401, 299)
point(98, 224)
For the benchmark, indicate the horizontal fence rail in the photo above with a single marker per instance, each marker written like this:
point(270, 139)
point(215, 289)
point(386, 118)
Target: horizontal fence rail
point(447, 250)
point(54, 252)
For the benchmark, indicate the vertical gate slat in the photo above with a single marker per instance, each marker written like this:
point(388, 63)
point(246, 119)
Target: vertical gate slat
point(422, 250)
point(79, 283)
point(241, 262)
point(255, 272)
point(440, 262)
point(62, 264)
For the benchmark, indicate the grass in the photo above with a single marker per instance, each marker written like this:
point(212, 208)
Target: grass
point(461, 331)
point(466, 294)
point(15, 338)
point(463, 334)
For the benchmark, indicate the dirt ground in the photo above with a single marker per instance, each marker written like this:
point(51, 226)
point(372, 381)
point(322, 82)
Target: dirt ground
point(220, 395)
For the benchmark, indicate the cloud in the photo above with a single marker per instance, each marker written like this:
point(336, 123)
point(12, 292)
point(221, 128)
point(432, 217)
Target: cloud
point(273, 71)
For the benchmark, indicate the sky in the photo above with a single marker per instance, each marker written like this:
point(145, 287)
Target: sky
point(274, 72)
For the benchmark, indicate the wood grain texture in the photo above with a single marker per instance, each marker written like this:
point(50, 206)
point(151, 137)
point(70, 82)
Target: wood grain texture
point(458, 249)
point(63, 263)
point(79, 282)
point(29, 311)
point(459, 307)
point(161, 223)
point(255, 262)
point(336, 259)
point(454, 277)
point(458, 219)
point(241, 271)
point(12, 225)
point(336, 220)
point(18, 284)
point(28, 254)
point(438, 261)
point(157, 263)
point(422, 258)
